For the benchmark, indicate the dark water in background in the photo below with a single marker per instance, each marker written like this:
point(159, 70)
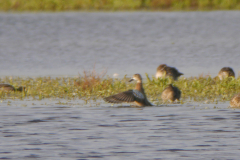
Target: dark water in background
point(64, 44)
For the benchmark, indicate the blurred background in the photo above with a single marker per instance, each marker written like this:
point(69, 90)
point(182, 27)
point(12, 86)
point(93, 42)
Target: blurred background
point(61, 5)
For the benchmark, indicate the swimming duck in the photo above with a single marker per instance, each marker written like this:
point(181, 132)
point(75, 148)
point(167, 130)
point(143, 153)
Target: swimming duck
point(165, 71)
point(235, 101)
point(136, 95)
point(226, 72)
point(171, 93)
point(8, 87)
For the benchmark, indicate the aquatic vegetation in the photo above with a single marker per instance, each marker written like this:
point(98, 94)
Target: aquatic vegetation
point(70, 5)
point(93, 86)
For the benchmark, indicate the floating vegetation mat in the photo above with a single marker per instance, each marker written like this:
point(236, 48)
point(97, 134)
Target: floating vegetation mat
point(91, 87)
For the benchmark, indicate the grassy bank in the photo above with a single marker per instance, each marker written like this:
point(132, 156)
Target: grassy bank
point(109, 5)
point(91, 86)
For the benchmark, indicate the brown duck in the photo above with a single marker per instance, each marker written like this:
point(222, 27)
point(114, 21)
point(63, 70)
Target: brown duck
point(171, 93)
point(165, 71)
point(8, 87)
point(226, 72)
point(235, 101)
point(136, 95)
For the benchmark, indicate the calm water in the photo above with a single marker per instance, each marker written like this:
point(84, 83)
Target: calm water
point(64, 44)
point(125, 43)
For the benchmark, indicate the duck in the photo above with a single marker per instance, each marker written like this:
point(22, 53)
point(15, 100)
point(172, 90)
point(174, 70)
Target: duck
point(171, 93)
point(166, 71)
point(8, 87)
point(235, 101)
point(136, 96)
point(226, 72)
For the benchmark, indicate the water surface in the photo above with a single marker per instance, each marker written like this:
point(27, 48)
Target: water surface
point(110, 132)
point(64, 44)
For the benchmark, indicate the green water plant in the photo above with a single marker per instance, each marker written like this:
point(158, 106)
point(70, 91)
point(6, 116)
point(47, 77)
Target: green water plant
point(94, 86)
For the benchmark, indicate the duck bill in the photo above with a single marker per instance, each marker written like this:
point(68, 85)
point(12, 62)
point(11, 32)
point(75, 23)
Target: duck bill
point(131, 80)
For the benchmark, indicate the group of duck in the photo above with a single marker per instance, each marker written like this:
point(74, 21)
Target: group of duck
point(170, 93)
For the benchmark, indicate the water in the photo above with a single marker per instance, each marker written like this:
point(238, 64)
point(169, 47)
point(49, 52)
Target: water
point(64, 44)
point(80, 132)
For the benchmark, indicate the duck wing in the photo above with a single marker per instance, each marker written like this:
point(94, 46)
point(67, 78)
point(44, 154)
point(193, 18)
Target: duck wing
point(127, 96)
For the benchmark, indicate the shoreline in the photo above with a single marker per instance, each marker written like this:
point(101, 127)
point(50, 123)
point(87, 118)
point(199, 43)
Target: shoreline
point(115, 5)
